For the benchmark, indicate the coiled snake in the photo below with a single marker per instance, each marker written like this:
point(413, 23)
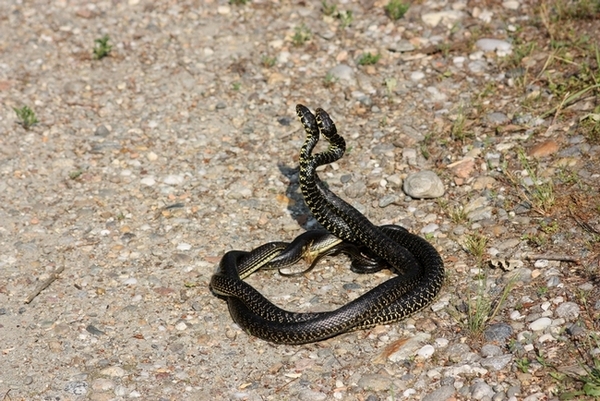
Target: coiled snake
point(419, 266)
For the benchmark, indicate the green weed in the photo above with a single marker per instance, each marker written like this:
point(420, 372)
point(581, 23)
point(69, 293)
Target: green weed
point(369, 59)
point(26, 116)
point(101, 47)
point(328, 9)
point(396, 9)
point(301, 35)
point(268, 61)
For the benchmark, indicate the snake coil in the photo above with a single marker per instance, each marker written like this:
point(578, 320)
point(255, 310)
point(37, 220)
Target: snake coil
point(419, 267)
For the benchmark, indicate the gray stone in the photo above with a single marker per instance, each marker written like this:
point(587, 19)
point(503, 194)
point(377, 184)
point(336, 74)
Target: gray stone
point(423, 185)
point(498, 332)
point(76, 388)
point(540, 324)
point(496, 363)
point(102, 131)
point(441, 394)
point(489, 350)
point(481, 389)
point(401, 46)
point(497, 118)
point(488, 45)
point(375, 382)
point(568, 311)
point(343, 72)
point(388, 200)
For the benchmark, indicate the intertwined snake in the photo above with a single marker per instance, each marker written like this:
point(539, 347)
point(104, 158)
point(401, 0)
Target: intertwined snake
point(419, 266)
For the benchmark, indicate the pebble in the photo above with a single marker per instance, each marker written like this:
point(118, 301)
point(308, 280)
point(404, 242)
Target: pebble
point(497, 118)
point(148, 180)
point(448, 17)
point(543, 149)
point(488, 45)
point(480, 389)
point(375, 382)
point(417, 76)
point(409, 347)
point(102, 384)
point(426, 351)
point(388, 200)
point(173, 179)
point(496, 363)
point(102, 131)
point(511, 4)
point(183, 246)
point(442, 393)
point(430, 228)
point(463, 168)
point(489, 350)
point(423, 185)
point(498, 332)
point(568, 311)
point(113, 371)
point(76, 388)
point(401, 46)
point(343, 72)
point(540, 324)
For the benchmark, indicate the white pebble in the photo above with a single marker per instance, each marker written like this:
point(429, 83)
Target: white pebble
point(152, 156)
point(223, 10)
point(417, 76)
point(173, 179)
point(130, 281)
point(516, 315)
point(511, 4)
point(184, 247)
point(113, 371)
point(149, 180)
point(545, 338)
point(426, 351)
point(540, 324)
point(488, 45)
point(181, 326)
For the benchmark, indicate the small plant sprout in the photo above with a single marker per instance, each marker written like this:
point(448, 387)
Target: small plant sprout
point(26, 116)
point(101, 47)
point(330, 80)
point(328, 9)
point(345, 18)
point(369, 59)
point(268, 61)
point(396, 9)
point(301, 36)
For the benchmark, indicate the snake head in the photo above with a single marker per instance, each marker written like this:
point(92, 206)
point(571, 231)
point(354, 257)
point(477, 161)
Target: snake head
point(326, 125)
point(306, 118)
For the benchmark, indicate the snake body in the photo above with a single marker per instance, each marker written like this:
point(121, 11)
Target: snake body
point(419, 266)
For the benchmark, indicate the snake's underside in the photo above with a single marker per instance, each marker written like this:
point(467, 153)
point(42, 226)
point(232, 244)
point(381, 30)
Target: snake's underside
point(419, 266)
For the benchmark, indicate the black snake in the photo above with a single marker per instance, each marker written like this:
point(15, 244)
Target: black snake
point(419, 266)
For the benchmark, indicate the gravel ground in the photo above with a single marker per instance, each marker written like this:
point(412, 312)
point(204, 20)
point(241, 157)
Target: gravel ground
point(151, 163)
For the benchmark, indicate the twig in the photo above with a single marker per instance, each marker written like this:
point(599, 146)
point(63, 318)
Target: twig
point(552, 256)
point(42, 286)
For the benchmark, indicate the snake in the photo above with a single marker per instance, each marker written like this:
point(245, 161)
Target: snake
point(419, 267)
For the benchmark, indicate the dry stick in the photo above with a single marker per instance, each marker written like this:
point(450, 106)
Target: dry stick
point(42, 286)
point(552, 256)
